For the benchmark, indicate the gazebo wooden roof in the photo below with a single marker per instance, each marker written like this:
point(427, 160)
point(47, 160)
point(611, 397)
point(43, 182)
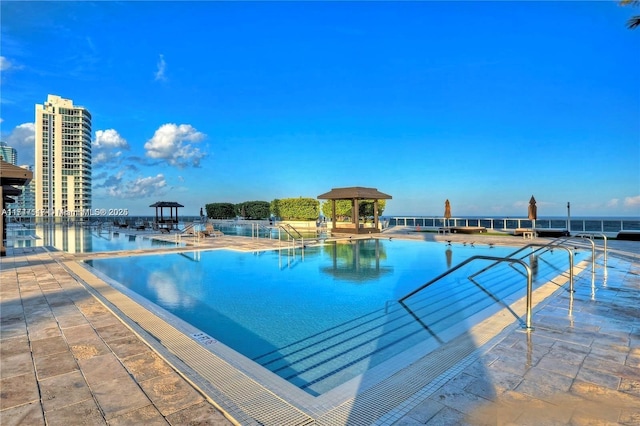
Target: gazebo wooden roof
point(355, 194)
point(166, 204)
point(161, 222)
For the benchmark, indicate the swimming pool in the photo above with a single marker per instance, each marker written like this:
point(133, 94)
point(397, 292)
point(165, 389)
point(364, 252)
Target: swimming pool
point(262, 231)
point(320, 319)
point(74, 239)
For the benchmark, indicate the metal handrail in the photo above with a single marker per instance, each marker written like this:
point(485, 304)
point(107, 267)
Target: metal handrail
point(591, 235)
point(540, 246)
point(285, 228)
point(191, 227)
point(257, 227)
point(593, 249)
point(291, 228)
point(480, 257)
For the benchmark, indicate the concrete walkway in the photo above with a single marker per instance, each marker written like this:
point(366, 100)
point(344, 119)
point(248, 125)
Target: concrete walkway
point(579, 366)
point(67, 359)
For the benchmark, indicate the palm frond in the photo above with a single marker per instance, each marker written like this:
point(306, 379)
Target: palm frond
point(633, 22)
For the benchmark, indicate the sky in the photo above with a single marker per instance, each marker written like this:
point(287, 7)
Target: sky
point(482, 103)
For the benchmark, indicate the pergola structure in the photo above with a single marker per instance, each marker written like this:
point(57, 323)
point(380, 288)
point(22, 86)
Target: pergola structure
point(161, 222)
point(10, 177)
point(355, 194)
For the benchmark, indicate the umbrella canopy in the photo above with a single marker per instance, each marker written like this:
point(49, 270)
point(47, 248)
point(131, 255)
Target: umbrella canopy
point(447, 210)
point(533, 210)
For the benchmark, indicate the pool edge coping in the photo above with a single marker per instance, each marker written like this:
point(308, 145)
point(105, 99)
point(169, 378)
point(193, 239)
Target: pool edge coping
point(99, 287)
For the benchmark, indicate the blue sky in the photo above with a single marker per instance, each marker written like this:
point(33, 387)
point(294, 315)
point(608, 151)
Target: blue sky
point(481, 103)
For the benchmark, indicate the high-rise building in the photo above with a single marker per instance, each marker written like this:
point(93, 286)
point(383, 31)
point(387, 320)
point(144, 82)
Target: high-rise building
point(63, 157)
point(8, 153)
point(26, 202)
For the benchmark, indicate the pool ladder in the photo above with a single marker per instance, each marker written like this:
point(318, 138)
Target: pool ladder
point(509, 259)
point(293, 234)
point(472, 259)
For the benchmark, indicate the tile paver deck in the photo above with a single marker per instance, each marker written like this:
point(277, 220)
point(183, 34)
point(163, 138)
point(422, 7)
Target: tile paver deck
point(67, 359)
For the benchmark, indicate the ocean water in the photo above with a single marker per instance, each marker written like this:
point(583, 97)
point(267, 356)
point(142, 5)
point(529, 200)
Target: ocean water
point(578, 224)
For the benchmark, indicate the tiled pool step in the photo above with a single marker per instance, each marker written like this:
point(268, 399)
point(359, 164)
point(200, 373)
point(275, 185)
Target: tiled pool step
point(326, 359)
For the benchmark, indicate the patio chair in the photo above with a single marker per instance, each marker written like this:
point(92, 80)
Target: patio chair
point(210, 231)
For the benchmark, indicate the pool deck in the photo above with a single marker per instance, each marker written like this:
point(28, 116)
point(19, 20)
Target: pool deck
point(67, 358)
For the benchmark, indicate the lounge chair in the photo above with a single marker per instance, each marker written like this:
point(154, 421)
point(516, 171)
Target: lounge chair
point(210, 231)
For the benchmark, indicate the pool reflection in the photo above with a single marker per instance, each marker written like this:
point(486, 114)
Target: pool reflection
point(356, 261)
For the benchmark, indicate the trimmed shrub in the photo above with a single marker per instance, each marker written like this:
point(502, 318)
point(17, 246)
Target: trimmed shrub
point(253, 209)
point(296, 208)
point(220, 210)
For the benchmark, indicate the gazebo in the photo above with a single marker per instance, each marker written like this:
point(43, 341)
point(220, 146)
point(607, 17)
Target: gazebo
point(161, 222)
point(355, 194)
point(10, 176)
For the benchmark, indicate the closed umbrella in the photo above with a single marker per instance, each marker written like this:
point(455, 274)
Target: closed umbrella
point(447, 211)
point(533, 213)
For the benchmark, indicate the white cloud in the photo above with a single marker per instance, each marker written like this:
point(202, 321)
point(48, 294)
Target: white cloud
point(107, 146)
point(23, 139)
point(174, 144)
point(162, 66)
point(632, 201)
point(521, 205)
point(4, 63)
point(102, 157)
point(138, 188)
point(109, 139)
point(613, 202)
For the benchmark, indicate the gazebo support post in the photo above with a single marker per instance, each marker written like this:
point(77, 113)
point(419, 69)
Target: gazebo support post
point(355, 194)
point(375, 214)
point(333, 214)
point(160, 222)
point(356, 214)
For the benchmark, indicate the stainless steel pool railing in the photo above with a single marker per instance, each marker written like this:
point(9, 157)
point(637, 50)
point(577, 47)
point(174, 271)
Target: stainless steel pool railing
point(590, 235)
point(540, 246)
point(560, 240)
point(292, 233)
point(257, 228)
point(480, 257)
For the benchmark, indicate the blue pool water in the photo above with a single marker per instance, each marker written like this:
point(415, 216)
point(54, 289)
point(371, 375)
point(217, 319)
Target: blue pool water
point(114, 241)
point(248, 230)
point(82, 240)
point(321, 319)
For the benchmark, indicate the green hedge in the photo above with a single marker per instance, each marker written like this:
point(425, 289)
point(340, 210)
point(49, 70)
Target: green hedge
point(286, 208)
point(296, 208)
point(253, 209)
point(221, 210)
